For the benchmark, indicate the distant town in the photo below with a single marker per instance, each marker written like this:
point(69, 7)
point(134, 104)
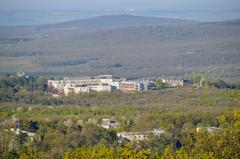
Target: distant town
point(108, 83)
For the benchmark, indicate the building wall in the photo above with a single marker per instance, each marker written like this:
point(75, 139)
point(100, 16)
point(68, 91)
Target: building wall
point(55, 84)
point(81, 89)
point(140, 86)
point(138, 136)
point(84, 81)
point(106, 81)
point(173, 82)
point(87, 89)
point(115, 84)
point(100, 88)
point(128, 86)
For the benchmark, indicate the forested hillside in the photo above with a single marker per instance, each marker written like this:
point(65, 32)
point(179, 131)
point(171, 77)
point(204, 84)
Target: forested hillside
point(140, 46)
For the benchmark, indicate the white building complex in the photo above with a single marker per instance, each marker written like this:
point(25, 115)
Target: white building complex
point(93, 84)
point(84, 84)
point(106, 83)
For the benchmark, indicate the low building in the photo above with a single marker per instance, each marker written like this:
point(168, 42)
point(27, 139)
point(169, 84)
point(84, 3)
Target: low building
point(139, 136)
point(171, 82)
point(109, 123)
point(18, 131)
point(209, 129)
point(21, 74)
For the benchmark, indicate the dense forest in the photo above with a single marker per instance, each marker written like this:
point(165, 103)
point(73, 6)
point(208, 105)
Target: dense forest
point(70, 127)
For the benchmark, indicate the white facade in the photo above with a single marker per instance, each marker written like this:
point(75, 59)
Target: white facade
point(83, 84)
point(75, 89)
point(18, 131)
point(139, 136)
point(83, 81)
point(131, 86)
point(173, 82)
point(68, 90)
point(104, 83)
point(209, 129)
point(109, 123)
point(81, 89)
point(101, 88)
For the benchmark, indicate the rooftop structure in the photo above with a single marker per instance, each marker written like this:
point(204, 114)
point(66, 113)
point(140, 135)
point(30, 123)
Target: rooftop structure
point(139, 136)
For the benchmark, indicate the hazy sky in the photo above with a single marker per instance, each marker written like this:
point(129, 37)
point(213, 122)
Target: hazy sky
point(117, 4)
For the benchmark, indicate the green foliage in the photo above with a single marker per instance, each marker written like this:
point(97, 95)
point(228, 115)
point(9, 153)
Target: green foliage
point(101, 151)
point(224, 85)
point(224, 144)
point(101, 143)
point(73, 129)
point(30, 153)
point(160, 84)
point(212, 50)
point(11, 85)
point(196, 79)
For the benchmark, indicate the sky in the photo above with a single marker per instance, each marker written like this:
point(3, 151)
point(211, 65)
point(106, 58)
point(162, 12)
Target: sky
point(118, 4)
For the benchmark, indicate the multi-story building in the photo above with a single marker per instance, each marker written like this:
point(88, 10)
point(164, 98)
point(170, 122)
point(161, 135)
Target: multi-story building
point(84, 84)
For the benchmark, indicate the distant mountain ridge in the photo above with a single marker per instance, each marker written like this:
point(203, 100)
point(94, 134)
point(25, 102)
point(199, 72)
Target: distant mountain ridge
point(118, 21)
point(231, 22)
